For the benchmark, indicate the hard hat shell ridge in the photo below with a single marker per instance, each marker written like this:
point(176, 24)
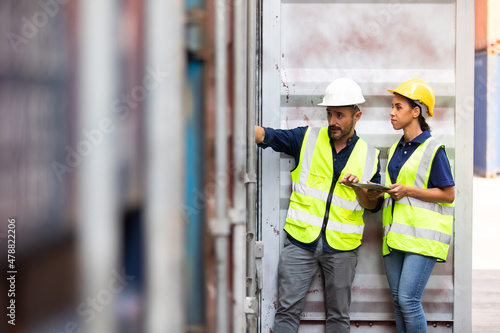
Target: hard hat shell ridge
point(343, 92)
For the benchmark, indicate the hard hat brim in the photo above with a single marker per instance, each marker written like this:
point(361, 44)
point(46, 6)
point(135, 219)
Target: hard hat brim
point(342, 104)
point(431, 110)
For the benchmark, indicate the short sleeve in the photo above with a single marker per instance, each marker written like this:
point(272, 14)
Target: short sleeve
point(441, 175)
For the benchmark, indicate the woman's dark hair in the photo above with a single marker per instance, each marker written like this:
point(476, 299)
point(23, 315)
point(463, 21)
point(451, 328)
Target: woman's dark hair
point(423, 124)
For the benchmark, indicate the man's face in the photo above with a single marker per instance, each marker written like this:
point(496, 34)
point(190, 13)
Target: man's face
point(341, 121)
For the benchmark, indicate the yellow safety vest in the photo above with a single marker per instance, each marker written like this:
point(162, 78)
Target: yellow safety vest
point(414, 225)
point(312, 190)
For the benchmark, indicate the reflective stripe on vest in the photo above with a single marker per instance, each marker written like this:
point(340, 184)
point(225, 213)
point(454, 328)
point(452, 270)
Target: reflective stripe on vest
point(412, 202)
point(417, 232)
point(323, 196)
point(332, 225)
point(311, 183)
point(415, 225)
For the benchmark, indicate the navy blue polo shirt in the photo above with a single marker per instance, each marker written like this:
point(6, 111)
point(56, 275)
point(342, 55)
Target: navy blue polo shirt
point(440, 175)
point(290, 143)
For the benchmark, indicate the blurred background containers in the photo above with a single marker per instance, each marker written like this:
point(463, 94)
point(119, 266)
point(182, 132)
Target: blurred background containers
point(125, 127)
point(487, 92)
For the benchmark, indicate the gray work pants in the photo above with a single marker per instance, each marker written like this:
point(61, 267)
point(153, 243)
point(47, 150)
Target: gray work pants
point(296, 269)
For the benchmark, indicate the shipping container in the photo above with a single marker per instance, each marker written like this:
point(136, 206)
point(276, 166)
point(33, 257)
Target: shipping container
point(486, 93)
point(379, 44)
point(486, 118)
point(172, 214)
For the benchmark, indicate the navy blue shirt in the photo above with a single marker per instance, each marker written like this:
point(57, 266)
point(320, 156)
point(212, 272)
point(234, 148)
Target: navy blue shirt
point(290, 143)
point(440, 175)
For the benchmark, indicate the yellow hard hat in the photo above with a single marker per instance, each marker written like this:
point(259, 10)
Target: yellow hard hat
point(417, 90)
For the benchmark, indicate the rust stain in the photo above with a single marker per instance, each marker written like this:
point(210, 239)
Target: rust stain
point(275, 229)
point(286, 86)
point(308, 121)
point(284, 80)
point(313, 291)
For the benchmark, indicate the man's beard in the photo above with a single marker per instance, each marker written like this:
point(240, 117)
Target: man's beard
point(343, 133)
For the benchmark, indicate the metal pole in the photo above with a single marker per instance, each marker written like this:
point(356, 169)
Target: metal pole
point(239, 167)
point(464, 144)
point(221, 222)
point(165, 178)
point(252, 303)
point(98, 220)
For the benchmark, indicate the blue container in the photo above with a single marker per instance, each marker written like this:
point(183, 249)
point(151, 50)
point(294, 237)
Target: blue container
point(195, 202)
point(486, 118)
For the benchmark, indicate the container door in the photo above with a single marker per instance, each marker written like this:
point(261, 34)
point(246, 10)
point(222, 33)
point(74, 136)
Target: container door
point(379, 44)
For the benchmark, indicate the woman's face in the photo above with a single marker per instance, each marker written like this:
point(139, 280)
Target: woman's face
point(402, 114)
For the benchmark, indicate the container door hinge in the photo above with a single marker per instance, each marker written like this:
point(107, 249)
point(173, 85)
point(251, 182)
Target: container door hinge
point(259, 254)
point(251, 305)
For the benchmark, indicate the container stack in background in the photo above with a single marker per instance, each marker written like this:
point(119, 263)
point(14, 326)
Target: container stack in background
point(486, 92)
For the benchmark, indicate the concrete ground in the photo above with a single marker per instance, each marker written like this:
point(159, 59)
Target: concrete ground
point(486, 255)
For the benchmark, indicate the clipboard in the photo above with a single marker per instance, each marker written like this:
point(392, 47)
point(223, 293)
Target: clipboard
point(378, 187)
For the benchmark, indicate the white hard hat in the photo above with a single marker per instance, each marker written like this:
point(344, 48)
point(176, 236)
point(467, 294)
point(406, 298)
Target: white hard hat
point(343, 92)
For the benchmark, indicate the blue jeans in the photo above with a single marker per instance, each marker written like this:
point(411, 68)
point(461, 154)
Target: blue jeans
point(407, 274)
point(296, 269)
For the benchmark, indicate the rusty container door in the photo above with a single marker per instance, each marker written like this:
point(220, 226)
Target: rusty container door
point(379, 44)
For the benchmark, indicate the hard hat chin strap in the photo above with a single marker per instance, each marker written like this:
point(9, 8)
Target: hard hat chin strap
point(423, 108)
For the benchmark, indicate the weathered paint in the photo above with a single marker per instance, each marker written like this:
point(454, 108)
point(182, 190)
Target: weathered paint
point(306, 46)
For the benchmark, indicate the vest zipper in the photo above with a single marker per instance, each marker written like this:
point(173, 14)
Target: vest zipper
point(328, 204)
point(330, 195)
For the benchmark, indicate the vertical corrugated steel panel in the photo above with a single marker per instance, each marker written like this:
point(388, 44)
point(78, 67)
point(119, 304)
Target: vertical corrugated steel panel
point(165, 172)
point(464, 165)
point(486, 117)
point(306, 45)
point(194, 209)
point(487, 97)
point(35, 128)
point(480, 103)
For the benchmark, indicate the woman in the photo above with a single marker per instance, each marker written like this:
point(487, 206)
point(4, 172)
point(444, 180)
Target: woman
point(418, 209)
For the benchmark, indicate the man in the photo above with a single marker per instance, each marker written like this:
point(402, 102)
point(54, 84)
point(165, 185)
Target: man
point(324, 224)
